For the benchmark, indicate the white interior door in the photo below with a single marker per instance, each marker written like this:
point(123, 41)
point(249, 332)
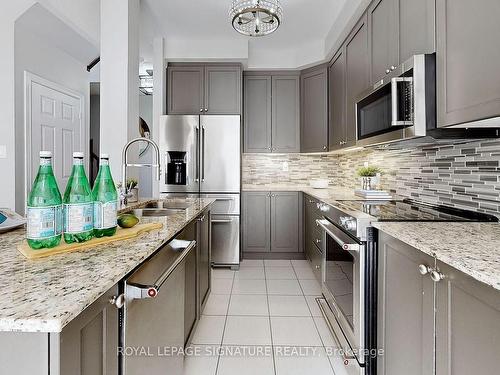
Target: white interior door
point(55, 123)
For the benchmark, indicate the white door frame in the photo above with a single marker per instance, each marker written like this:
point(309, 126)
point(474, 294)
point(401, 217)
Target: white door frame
point(29, 79)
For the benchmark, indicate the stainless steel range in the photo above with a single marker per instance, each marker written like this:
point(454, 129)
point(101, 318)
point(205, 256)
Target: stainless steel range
point(349, 272)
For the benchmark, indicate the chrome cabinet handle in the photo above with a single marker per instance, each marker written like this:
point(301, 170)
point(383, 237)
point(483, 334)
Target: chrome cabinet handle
point(201, 109)
point(117, 301)
point(393, 68)
point(387, 71)
point(206, 109)
point(324, 147)
point(437, 276)
point(317, 267)
point(202, 218)
point(423, 269)
point(318, 240)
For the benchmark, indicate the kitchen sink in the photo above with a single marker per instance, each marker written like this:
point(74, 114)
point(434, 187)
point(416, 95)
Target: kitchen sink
point(168, 205)
point(155, 212)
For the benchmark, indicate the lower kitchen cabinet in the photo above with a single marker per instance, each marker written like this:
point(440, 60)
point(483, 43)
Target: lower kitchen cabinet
point(467, 325)
point(271, 222)
point(466, 313)
point(88, 344)
point(405, 309)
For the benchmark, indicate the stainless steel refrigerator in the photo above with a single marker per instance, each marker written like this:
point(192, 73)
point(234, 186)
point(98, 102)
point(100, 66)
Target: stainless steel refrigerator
point(201, 156)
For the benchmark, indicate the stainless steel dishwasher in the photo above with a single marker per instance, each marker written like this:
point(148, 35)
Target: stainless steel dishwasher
point(153, 313)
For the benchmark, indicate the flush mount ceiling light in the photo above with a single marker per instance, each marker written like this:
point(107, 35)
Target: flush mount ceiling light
point(256, 17)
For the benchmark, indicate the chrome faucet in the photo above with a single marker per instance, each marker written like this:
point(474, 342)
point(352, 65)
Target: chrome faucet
point(124, 194)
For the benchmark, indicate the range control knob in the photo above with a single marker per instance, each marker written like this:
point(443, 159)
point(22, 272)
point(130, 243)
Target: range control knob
point(348, 223)
point(323, 207)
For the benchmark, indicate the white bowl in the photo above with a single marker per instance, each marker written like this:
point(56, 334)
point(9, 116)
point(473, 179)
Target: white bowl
point(319, 184)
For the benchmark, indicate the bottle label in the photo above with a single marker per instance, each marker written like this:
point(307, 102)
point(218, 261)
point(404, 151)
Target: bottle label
point(105, 214)
point(44, 222)
point(78, 217)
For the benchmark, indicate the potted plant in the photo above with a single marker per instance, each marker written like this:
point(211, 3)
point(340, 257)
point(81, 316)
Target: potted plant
point(368, 175)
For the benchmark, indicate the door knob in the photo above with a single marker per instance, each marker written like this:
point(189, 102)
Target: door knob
point(118, 301)
point(423, 269)
point(437, 276)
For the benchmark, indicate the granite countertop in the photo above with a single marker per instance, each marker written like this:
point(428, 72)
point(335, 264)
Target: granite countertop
point(43, 295)
point(329, 195)
point(472, 248)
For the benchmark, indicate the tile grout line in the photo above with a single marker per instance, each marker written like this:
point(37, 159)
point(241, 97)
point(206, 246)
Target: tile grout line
point(269, 319)
point(225, 323)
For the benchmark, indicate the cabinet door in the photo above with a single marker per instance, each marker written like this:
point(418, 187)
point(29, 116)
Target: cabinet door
point(286, 114)
point(383, 37)
point(314, 110)
point(337, 103)
point(256, 221)
point(88, 345)
point(467, 58)
point(222, 90)
point(257, 114)
point(190, 297)
point(204, 257)
point(467, 325)
point(357, 75)
point(417, 28)
point(185, 90)
point(284, 222)
point(405, 310)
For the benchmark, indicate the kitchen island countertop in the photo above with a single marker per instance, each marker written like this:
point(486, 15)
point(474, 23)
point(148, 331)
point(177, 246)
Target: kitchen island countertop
point(43, 295)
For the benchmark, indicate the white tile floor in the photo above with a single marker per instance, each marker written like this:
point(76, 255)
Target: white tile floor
point(263, 319)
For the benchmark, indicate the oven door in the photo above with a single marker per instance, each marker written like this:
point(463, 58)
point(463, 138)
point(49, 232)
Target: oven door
point(343, 278)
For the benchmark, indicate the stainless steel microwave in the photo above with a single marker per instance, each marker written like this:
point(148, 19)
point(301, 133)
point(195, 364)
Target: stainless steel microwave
point(401, 106)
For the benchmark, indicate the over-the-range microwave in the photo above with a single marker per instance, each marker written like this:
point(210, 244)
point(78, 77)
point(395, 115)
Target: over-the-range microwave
point(400, 106)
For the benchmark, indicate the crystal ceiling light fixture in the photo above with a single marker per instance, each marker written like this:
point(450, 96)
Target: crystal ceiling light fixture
point(256, 17)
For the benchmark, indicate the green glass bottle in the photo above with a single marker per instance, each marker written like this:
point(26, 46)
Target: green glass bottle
point(44, 207)
point(105, 200)
point(78, 204)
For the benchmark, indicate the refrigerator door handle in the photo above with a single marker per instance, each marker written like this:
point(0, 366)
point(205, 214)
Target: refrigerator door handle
point(197, 178)
point(203, 154)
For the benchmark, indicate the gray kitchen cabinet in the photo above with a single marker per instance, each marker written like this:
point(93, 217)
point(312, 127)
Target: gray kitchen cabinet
point(185, 91)
point(222, 90)
point(271, 117)
point(314, 110)
point(383, 34)
point(467, 59)
point(271, 222)
point(405, 309)
point(467, 325)
point(213, 89)
point(336, 100)
point(256, 222)
point(88, 345)
point(284, 221)
point(357, 74)
point(285, 113)
point(417, 28)
point(204, 262)
point(257, 113)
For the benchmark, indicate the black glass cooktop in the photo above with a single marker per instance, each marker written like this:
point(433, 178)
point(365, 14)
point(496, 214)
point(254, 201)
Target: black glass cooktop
point(410, 210)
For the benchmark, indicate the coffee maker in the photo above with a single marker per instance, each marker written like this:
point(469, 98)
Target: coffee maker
point(176, 168)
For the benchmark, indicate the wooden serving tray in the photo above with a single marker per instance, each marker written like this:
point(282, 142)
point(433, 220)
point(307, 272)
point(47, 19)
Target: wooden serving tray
point(121, 234)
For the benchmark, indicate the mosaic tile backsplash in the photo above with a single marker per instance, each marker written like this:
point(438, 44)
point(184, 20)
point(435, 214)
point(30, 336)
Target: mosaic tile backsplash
point(464, 175)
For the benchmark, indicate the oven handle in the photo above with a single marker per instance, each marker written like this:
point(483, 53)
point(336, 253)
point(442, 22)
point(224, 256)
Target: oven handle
point(395, 100)
point(325, 225)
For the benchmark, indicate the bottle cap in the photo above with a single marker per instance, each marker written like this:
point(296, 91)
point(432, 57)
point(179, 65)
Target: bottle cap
point(45, 154)
point(104, 156)
point(78, 155)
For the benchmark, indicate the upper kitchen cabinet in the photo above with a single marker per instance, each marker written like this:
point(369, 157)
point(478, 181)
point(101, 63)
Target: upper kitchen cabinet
point(467, 58)
point(257, 113)
point(271, 119)
point(286, 114)
point(185, 90)
point(213, 89)
point(357, 75)
point(336, 101)
point(314, 109)
point(383, 37)
point(416, 28)
point(222, 90)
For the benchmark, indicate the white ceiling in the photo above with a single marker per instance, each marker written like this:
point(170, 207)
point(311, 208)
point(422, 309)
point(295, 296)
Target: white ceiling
point(200, 29)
